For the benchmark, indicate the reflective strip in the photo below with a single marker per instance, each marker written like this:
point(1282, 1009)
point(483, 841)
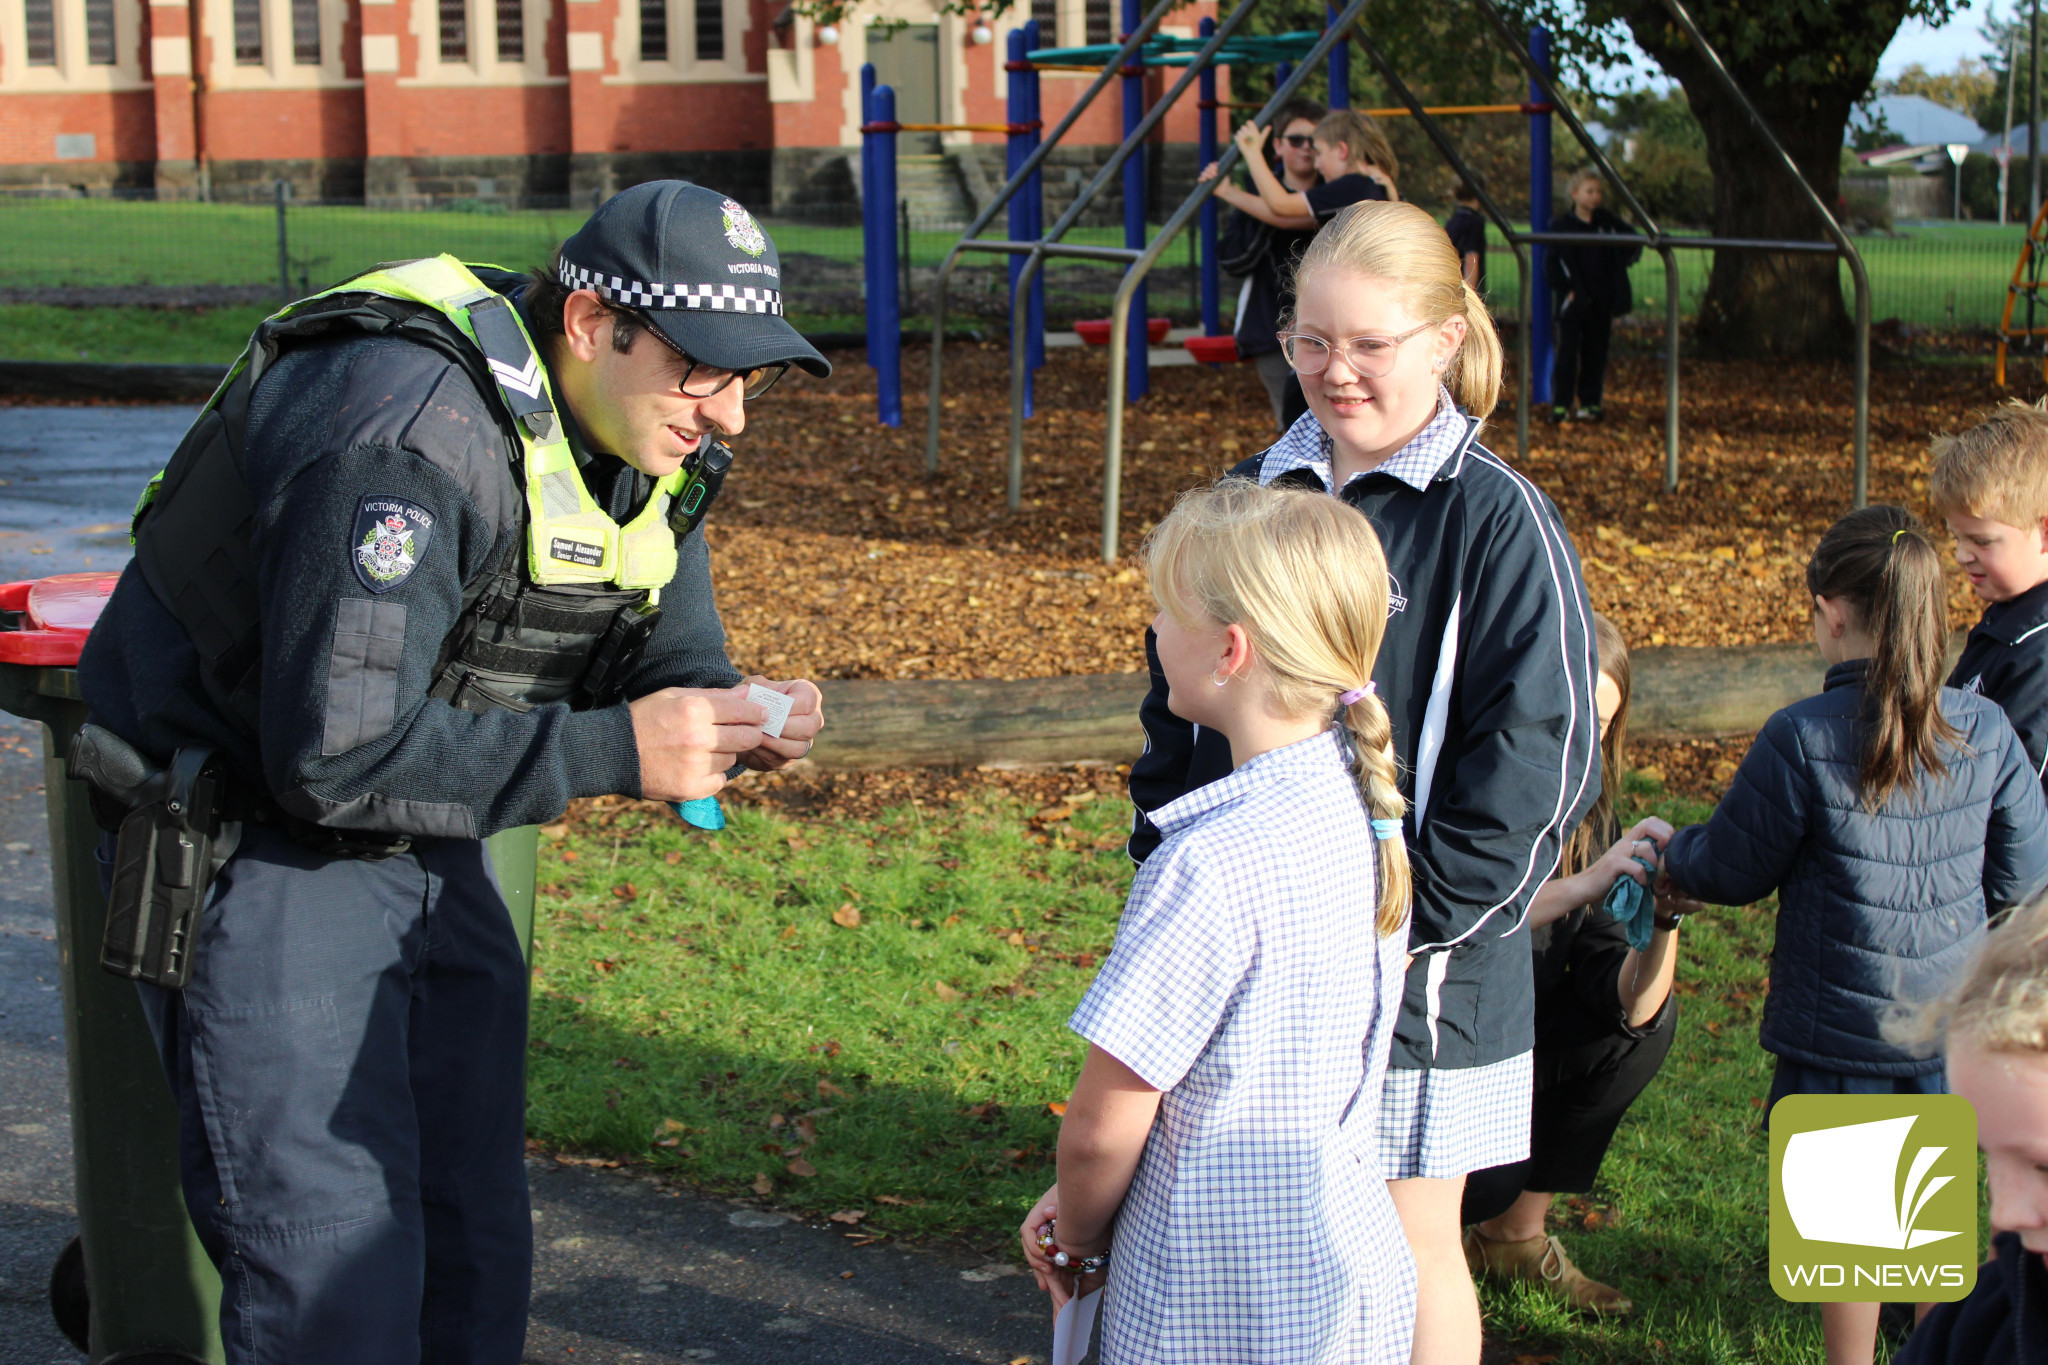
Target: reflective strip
point(558, 494)
point(1436, 715)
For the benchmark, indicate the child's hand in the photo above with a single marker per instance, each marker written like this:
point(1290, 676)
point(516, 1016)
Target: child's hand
point(1624, 860)
point(1050, 1277)
point(1209, 172)
point(1650, 827)
point(1382, 179)
point(1250, 139)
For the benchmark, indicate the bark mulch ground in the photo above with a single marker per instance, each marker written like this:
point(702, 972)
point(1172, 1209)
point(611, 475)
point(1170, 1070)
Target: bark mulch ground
point(838, 557)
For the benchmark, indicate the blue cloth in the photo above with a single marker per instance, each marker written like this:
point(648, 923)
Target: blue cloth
point(1792, 1078)
point(1634, 906)
point(1874, 906)
point(348, 1067)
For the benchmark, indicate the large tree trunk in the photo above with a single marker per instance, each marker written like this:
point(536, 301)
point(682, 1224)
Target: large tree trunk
point(1769, 303)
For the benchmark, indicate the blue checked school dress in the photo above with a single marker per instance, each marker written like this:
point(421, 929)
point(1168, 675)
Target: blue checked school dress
point(1249, 984)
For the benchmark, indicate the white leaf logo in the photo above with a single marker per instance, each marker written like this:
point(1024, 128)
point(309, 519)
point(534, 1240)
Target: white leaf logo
point(1842, 1185)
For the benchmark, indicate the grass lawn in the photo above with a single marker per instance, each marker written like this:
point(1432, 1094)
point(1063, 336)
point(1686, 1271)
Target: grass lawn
point(698, 1008)
point(1929, 275)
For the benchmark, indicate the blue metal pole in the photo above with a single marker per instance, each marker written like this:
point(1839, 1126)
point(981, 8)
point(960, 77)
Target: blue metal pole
point(882, 301)
point(1034, 197)
point(1542, 341)
point(1340, 66)
point(1281, 72)
point(1212, 283)
point(868, 192)
point(1016, 148)
point(1134, 210)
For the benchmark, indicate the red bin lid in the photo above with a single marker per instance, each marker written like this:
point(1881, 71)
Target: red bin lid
point(52, 616)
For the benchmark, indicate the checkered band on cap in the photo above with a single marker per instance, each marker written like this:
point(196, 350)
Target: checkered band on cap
point(718, 298)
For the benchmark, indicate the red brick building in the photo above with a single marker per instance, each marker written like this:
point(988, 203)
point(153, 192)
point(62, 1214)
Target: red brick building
point(397, 100)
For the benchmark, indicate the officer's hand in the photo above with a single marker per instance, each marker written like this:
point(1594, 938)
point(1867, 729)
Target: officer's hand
point(806, 718)
point(689, 736)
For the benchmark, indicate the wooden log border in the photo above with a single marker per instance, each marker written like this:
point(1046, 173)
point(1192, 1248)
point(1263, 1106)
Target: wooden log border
point(1680, 692)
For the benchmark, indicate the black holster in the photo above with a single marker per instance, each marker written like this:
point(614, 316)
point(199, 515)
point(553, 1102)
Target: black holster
point(170, 844)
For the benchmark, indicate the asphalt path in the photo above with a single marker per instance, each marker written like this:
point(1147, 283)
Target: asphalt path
point(623, 1271)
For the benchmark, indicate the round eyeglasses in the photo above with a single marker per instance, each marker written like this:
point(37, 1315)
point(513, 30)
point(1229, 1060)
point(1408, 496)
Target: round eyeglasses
point(1368, 357)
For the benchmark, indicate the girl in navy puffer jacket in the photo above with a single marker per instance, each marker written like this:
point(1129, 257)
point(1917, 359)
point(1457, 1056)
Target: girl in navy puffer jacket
point(1889, 813)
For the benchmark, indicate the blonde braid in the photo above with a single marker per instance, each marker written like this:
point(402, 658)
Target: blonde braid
point(1372, 765)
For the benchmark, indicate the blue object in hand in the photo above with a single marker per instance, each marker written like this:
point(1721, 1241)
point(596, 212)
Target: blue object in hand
point(1634, 906)
point(703, 813)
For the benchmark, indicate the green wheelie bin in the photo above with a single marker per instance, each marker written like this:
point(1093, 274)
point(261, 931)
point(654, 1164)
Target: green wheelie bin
point(134, 1287)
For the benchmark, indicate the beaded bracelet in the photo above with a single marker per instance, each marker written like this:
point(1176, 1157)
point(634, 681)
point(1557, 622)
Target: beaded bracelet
point(1081, 1265)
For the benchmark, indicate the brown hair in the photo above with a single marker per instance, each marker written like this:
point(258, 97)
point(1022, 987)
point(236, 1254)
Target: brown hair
point(1362, 136)
point(1996, 469)
point(1304, 576)
point(1404, 246)
point(1589, 840)
point(1297, 108)
point(547, 296)
point(1581, 176)
point(1880, 562)
point(1999, 1001)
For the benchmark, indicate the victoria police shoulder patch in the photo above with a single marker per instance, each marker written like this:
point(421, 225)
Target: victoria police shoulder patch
point(389, 540)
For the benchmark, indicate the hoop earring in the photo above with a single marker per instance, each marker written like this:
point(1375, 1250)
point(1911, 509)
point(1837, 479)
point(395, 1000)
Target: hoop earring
point(1220, 682)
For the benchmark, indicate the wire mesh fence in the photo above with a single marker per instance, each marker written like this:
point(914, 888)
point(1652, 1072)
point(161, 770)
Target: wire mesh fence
point(81, 251)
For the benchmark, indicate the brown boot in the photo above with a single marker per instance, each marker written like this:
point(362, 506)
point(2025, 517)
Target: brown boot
point(1541, 1260)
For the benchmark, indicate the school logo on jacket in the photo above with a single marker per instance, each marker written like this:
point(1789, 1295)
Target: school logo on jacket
point(389, 540)
point(1873, 1197)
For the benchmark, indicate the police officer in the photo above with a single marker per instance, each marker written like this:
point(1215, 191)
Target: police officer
point(428, 567)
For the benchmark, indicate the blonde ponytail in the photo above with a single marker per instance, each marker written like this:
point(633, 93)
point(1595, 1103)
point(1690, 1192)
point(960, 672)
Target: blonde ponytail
point(1304, 576)
point(1372, 764)
point(1405, 247)
point(1475, 370)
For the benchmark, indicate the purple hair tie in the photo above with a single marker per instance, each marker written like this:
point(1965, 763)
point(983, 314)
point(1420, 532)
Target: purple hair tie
point(1355, 695)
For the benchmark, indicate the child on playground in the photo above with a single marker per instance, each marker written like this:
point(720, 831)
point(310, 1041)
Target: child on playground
point(1994, 1025)
point(1890, 814)
point(1225, 1118)
point(1590, 287)
point(1990, 485)
point(1488, 674)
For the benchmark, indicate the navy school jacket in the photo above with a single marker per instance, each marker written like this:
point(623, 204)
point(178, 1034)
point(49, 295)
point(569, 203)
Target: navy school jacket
point(1874, 907)
point(2006, 660)
point(1487, 672)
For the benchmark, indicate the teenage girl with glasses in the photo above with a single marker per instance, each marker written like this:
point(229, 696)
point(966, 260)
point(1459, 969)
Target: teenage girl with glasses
point(1488, 674)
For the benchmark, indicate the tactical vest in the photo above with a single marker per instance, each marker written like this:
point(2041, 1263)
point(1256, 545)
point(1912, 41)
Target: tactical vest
point(563, 621)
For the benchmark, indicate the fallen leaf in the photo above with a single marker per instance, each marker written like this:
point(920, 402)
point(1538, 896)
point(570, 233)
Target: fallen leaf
point(625, 891)
point(899, 1202)
point(846, 1274)
point(801, 1168)
point(945, 992)
point(762, 1184)
point(555, 831)
point(951, 920)
point(1057, 1108)
point(827, 1089)
point(848, 1216)
point(672, 857)
point(776, 1121)
point(846, 916)
point(570, 855)
point(807, 1130)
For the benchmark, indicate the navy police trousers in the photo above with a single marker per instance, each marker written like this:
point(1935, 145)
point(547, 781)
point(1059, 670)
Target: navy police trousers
point(348, 1062)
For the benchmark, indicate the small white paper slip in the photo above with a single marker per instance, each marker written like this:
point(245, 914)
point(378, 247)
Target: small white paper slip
point(1073, 1331)
point(776, 704)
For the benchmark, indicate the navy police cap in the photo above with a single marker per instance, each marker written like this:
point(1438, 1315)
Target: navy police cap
point(697, 264)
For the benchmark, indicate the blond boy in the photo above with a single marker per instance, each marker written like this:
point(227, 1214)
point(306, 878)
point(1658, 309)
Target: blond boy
point(1990, 485)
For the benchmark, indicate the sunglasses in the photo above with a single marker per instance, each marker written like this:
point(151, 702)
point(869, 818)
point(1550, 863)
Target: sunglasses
point(1298, 141)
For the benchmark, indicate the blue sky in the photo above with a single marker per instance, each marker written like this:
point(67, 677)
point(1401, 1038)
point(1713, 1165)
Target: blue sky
point(1936, 49)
